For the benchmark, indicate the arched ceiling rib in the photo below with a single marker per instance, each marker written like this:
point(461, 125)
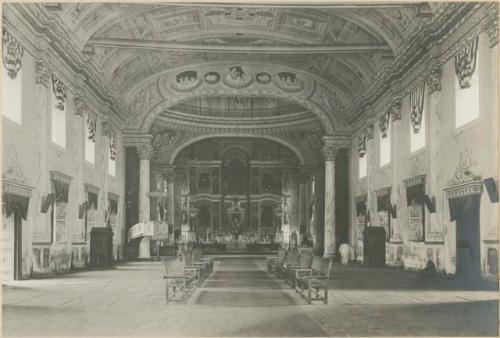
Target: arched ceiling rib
point(340, 45)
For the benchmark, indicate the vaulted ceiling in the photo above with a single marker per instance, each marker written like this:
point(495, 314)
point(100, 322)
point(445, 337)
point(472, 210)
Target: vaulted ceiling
point(149, 53)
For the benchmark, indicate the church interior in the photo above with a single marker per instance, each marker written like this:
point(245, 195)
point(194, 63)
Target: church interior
point(250, 169)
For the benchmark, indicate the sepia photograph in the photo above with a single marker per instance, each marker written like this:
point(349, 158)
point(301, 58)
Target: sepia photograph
point(280, 168)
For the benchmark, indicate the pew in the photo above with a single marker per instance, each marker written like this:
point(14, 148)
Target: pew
point(200, 268)
point(178, 276)
point(207, 262)
point(314, 280)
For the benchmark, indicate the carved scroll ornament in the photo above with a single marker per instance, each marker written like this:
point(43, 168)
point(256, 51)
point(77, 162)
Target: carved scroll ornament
point(12, 54)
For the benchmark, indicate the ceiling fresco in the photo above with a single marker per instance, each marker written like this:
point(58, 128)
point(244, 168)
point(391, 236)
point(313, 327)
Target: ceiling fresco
point(153, 56)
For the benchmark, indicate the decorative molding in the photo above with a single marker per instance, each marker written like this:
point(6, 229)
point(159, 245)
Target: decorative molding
point(91, 125)
point(395, 110)
point(463, 172)
point(491, 26)
point(113, 196)
point(362, 145)
point(12, 54)
point(42, 73)
point(60, 177)
point(81, 108)
point(12, 169)
point(107, 129)
point(383, 191)
point(15, 188)
point(165, 139)
point(415, 180)
point(361, 198)
point(59, 90)
point(463, 190)
point(145, 151)
point(329, 152)
point(91, 188)
point(434, 79)
point(369, 131)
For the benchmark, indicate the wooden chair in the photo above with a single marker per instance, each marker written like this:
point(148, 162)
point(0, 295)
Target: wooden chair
point(305, 262)
point(314, 280)
point(178, 276)
point(292, 258)
point(273, 262)
point(206, 261)
point(200, 268)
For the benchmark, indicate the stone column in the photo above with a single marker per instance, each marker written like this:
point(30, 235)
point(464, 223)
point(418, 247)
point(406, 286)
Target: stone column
point(330, 149)
point(145, 152)
point(170, 174)
point(302, 215)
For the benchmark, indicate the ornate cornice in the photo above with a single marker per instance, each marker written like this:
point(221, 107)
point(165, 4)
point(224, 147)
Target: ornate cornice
point(332, 144)
point(60, 177)
point(57, 49)
point(16, 188)
point(463, 190)
point(113, 196)
point(383, 191)
point(91, 188)
point(415, 180)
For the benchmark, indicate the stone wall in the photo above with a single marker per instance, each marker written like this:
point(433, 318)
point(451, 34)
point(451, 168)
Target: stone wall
point(29, 153)
point(438, 160)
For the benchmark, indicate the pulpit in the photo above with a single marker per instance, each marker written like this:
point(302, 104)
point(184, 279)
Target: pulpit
point(101, 248)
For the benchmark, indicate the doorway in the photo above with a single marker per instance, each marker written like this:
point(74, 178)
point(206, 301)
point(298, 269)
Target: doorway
point(12, 247)
point(468, 238)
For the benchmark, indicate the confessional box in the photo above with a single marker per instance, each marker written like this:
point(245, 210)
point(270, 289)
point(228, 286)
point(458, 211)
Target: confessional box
point(374, 247)
point(101, 248)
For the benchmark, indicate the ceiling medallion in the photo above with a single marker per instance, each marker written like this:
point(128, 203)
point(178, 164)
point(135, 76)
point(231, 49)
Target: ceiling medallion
point(263, 78)
point(212, 77)
point(236, 77)
point(288, 82)
point(187, 80)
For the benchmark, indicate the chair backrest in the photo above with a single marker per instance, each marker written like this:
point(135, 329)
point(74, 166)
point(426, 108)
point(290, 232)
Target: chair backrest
point(305, 259)
point(188, 257)
point(317, 263)
point(173, 265)
point(327, 267)
point(281, 256)
point(197, 254)
point(292, 257)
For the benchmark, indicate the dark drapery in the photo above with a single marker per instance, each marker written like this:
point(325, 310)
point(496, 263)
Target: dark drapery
point(361, 208)
point(113, 206)
point(383, 202)
point(92, 199)
point(61, 191)
point(417, 106)
point(16, 204)
point(464, 207)
point(465, 63)
point(416, 192)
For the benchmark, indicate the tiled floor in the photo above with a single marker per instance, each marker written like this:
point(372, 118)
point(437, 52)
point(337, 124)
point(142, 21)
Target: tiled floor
point(241, 299)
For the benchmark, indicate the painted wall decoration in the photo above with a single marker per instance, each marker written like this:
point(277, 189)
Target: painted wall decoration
point(237, 77)
point(263, 78)
point(187, 80)
point(288, 81)
point(212, 77)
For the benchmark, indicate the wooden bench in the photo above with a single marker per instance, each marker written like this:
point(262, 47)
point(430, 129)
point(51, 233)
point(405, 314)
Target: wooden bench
point(273, 262)
point(178, 277)
point(305, 262)
point(200, 268)
point(314, 280)
point(206, 261)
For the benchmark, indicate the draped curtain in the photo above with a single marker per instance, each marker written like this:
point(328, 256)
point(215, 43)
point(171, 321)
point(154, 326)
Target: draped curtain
point(92, 199)
point(416, 192)
point(463, 207)
point(61, 191)
point(465, 63)
point(417, 106)
point(15, 203)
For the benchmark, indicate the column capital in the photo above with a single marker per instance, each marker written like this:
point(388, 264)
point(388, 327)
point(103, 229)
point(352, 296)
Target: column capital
point(145, 151)
point(332, 144)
